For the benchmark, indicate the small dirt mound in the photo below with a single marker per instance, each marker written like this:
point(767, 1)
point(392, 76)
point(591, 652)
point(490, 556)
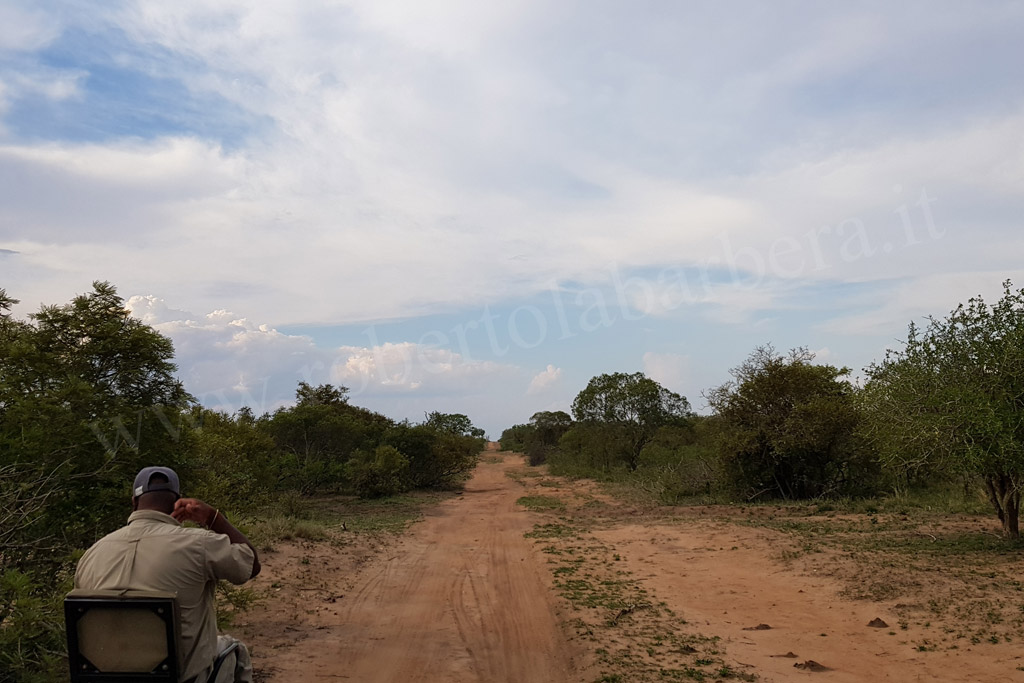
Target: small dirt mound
point(759, 627)
point(877, 623)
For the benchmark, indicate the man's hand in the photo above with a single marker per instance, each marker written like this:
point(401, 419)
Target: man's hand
point(193, 510)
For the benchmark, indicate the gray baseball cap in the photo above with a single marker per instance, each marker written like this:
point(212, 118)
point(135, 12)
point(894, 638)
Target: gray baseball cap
point(144, 485)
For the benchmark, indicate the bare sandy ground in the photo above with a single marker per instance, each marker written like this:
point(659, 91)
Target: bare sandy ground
point(464, 596)
point(726, 579)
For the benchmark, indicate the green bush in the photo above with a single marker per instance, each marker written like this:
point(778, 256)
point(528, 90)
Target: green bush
point(229, 461)
point(682, 463)
point(567, 464)
point(617, 414)
point(949, 403)
point(317, 437)
point(385, 472)
point(32, 628)
point(694, 472)
point(790, 429)
point(596, 447)
point(436, 459)
point(546, 428)
point(514, 438)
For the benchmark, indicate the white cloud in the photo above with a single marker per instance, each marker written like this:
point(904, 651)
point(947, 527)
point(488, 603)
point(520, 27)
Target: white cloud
point(183, 168)
point(154, 311)
point(544, 380)
point(408, 367)
point(824, 355)
point(119, 197)
point(399, 161)
point(407, 146)
point(22, 29)
point(732, 301)
point(227, 361)
point(889, 310)
point(50, 84)
point(671, 370)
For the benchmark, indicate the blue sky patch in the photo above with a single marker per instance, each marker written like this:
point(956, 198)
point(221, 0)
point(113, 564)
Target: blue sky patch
point(125, 92)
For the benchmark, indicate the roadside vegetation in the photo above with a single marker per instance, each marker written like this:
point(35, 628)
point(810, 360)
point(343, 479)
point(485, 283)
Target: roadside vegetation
point(940, 418)
point(88, 396)
point(905, 487)
point(895, 471)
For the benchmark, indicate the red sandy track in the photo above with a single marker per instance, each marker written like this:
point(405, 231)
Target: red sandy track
point(465, 597)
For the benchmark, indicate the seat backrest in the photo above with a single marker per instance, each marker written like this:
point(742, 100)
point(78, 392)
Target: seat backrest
point(125, 636)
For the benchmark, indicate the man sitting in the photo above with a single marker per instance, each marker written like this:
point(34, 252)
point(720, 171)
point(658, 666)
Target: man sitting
point(155, 552)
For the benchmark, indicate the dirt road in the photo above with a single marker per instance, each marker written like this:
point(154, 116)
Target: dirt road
point(464, 597)
point(604, 590)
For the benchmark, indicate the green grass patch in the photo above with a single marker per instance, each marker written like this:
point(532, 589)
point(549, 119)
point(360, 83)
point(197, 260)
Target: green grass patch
point(327, 518)
point(389, 515)
point(541, 503)
point(265, 532)
point(634, 636)
point(232, 601)
point(943, 545)
point(553, 530)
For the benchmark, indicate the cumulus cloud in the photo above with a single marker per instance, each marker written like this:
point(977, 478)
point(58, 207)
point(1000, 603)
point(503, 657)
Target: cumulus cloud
point(227, 361)
point(544, 380)
point(408, 367)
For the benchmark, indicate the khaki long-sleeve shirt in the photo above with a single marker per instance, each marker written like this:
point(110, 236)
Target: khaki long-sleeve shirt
point(154, 552)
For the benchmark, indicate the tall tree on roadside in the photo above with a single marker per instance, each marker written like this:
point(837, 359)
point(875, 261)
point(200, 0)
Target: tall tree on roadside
point(89, 392)
point(627, 409)
point(953, 399)
point(453, 423)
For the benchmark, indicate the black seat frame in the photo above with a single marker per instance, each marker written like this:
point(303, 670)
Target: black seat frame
point(165, 608)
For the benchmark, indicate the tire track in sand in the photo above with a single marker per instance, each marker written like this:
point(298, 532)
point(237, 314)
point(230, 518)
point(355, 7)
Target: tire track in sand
point(464, 598)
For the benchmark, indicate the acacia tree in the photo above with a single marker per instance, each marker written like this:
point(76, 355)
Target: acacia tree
point(953, 399)
point(789, 426)
point(625, 411)
point(453, 423)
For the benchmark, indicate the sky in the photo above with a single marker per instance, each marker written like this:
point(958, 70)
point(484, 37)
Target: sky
point(477, 207)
